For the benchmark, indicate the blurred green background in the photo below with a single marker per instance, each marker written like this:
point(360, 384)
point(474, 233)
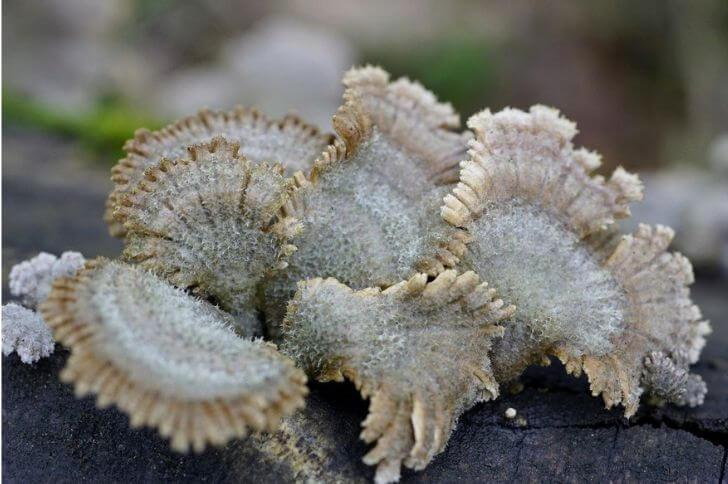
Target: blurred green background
point(646, 81)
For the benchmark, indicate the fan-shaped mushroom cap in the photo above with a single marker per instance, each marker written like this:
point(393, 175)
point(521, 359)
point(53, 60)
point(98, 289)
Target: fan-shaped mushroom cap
point(417, 349)
point(167, 359)
point(210, 223)
point(290, 141)
point(410, 115)
point(369, 205)
point(540, 230)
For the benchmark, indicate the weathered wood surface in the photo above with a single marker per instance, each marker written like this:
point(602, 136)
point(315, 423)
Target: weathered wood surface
point(53, 203)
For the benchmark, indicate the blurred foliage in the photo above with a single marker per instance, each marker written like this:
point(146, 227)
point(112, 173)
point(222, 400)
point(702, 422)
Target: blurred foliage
point(189, 32)
point(460, 70)
point(103, 130)
point(641, 49)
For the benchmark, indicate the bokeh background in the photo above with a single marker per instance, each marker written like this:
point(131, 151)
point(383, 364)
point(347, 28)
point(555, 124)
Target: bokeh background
point(646, 81)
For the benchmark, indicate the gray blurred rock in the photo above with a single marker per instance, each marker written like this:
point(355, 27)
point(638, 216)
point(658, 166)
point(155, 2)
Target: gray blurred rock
point(278, 65)
point(695, 204)
point(66, 53)
point(718, 155)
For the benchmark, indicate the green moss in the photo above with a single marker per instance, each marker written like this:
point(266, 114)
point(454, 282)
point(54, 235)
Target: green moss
point(102, 130)
point(459, 70)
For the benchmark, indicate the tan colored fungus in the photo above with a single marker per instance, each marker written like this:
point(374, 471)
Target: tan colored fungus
point(369, 205)
point(167, 359)
point(209, 223)
point(290, 141)
point(540, 232)
point(417, 350)
point(360, 272)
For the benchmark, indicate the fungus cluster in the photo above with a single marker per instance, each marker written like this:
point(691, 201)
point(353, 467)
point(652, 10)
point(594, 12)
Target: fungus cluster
point(429, 266)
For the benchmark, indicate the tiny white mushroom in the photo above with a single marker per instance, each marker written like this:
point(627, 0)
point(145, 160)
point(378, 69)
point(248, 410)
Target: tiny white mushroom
point(510, 413)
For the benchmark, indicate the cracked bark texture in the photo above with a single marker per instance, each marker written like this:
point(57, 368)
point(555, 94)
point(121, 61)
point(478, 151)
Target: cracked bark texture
point(560, 433)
